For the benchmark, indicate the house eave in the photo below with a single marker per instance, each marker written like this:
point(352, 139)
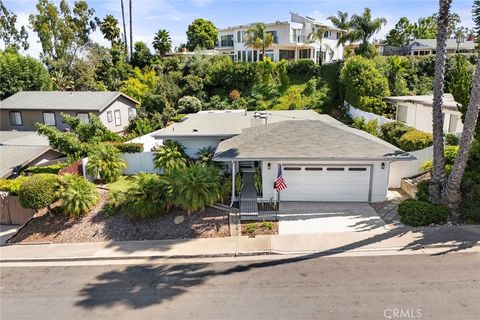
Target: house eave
point(389, 159)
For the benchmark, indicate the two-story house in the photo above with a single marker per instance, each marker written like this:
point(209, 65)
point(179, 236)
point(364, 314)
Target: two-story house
point(24, 109)
point(291, 41)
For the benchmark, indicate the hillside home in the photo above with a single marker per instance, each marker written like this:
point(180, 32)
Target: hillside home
point(425, 47)
point(24, 109)
point(290, 41)
point(416, 112)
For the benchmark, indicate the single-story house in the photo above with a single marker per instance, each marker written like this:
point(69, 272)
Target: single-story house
point(416, 112)
point(24, 109)
point(21, 149)
point(425, 47)
point(322, 159)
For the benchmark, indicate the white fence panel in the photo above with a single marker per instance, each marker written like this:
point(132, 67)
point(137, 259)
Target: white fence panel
point(356, 113)
point(404, 169)
point(139, 162)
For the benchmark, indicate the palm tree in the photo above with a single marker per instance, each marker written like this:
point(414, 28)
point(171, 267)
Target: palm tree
point(131, 32)
point(363, 27)
point(259, 38)
point(317, 36)
point(470, 123)
point(124, 29)
point(439, 176)
point(62, 81)
point(205, 155)
point(162, 42)
point(104, 161)
point(110, 30)
point(171, 156)
point(196, 187)
point(341, 21)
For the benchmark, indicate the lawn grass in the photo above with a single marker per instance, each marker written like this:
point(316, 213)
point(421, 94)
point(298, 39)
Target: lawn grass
point(123, 184)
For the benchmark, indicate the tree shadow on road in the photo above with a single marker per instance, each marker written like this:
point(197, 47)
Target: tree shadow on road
point(141, 286)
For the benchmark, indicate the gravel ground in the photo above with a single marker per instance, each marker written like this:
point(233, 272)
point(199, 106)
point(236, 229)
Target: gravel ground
point(97, 226)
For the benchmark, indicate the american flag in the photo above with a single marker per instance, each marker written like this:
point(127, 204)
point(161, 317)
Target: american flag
point(280, 182)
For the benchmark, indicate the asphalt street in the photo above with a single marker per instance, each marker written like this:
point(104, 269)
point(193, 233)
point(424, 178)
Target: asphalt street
point(374, 287)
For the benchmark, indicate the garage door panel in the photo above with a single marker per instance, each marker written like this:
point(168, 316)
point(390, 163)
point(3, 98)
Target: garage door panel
point(324, 185)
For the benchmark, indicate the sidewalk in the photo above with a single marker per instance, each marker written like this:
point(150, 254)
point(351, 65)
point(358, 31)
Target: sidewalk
point(396, 241)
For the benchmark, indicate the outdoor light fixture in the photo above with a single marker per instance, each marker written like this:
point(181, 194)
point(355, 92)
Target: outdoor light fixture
point(269, 165)
point(383, 165)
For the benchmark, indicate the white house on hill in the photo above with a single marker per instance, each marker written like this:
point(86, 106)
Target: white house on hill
point(290, 41)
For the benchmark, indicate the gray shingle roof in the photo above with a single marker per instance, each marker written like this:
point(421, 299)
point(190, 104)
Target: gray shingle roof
point(307, 140)
point(62, 100)
point(227, 123)
point(451, 44)
point(18, 148)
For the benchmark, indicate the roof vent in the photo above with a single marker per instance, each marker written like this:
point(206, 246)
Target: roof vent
point(195, 130)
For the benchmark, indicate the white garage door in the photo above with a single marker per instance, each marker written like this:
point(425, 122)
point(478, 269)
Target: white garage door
point(326, 183)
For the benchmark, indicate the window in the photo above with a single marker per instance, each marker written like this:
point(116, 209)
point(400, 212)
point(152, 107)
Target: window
point(335, 169)
point(249, 53)
point(131, 113)
point(239, 55)
point(269, 53)
point(118, 119)
point(304, 53)
point(338, 35)
point(244, 56)
point(255, 55)
point(357, 169)
point(226, 41)
point(287, 54)
point(313, 169)
point(292, 168)
point(109, 116)
point(239, 36)
point(325, 34)
point(49, 118)
point(274, 36)
point(83, 116)
point(16, 118)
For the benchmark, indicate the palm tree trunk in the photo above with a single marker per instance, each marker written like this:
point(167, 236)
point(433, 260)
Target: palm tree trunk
point(131, 33)
point(439, 177)
point(124, 29)
point(470, 123)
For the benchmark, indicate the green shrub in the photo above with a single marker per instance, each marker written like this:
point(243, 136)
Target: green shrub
point(189, 104)
point(195, 187)
point(471, 212)
point(39, 191)
point(147, 198)
point(451, 139)
point(129, 147)
point(450, 153)
point(78, 194)
point(12, 185)
point(114, 202)
point(415, 140)
point(419, 213)
point(266, 225)
point(54, 168)
point(170, 156)
point(393, 131)
point(104, 161)
point(370, 126)
point(422, 190)
point(250, 228)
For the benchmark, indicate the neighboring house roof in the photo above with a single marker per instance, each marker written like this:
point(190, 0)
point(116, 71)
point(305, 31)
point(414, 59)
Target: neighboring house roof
point(227, 123)
point(427, 100)
point(62, 100)
point(451, 44)
point(18, 148)
point(324, 140)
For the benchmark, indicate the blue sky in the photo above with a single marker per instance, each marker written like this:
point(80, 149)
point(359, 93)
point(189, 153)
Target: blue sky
point(175, 15)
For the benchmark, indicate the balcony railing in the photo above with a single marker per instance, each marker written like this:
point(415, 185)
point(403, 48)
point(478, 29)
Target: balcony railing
point(298, 39)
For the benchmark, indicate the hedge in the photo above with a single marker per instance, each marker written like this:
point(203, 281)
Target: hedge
point(54, 168)
point(128, 147)
point(39, 191)
point(420, 213)
point(415, 140)
point(12, 185)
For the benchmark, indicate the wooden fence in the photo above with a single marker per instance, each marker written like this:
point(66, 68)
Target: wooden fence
point(11, 211)
point(404, 169)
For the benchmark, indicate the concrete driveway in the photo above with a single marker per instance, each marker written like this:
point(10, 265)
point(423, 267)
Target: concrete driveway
point(321, 217)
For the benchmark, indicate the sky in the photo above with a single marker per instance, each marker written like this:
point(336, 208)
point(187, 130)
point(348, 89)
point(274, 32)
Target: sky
point(175, 15)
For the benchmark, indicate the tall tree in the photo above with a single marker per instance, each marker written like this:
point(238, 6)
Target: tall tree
point(425, 28)
point(124, 30)
point(10, 35)
point(141, 56)
point(317, 36)
point(201, 34)
point(162, 42)
point(259, 38)
point(363, 27)
point(131, 30)
point(341, 21)
point(439, 176)
point(401, 34)
point(63, 32)
point(470, 123)
point(110, 30)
